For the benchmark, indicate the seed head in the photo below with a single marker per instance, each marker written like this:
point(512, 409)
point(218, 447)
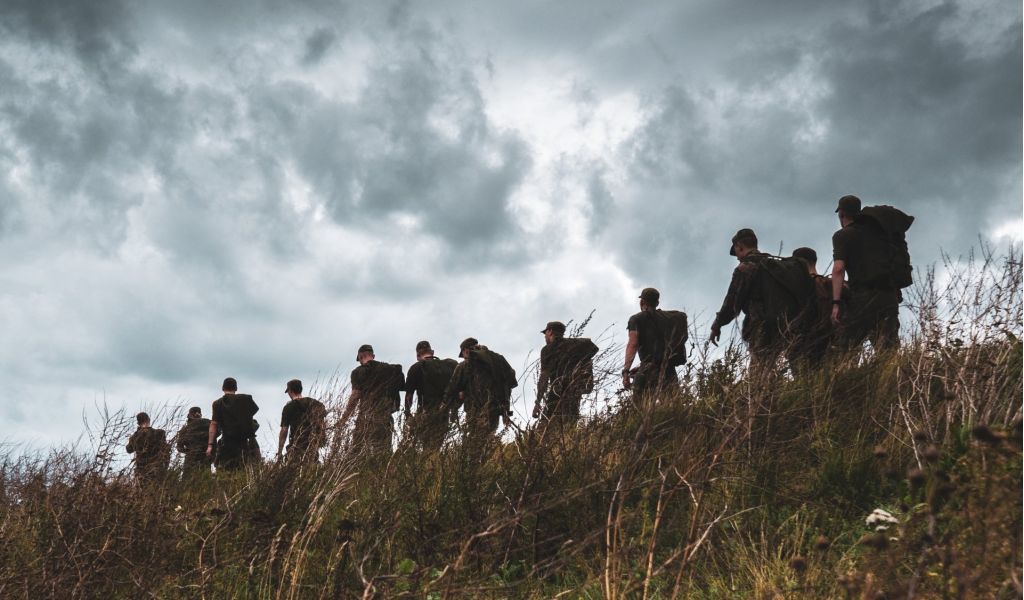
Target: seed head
point(821, 543)
point(920, 435)
point(880, 452)
point(798, 564)
point(931, 453)
point(916, 477)
point(982, 433)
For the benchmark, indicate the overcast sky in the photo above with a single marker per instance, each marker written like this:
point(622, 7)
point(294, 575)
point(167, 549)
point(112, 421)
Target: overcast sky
point(191, 190)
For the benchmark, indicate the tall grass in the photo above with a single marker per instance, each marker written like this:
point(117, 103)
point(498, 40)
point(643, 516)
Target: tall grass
point(730, 487)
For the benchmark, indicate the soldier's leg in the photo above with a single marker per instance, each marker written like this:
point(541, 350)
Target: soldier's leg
point(885, 334)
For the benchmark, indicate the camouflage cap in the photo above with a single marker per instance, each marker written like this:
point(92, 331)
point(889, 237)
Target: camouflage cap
point(293, 386)
point(742, 234)
point(364, 348)
point(807, 254)
point(849, 204)
point(423, 346)
point(556, 326)
point(650, 295)
point(468, 343)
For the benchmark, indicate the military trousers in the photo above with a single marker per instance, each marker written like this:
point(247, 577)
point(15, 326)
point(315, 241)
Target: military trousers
point(372, 435)
point(430, 426)
point(562, 410)
point(234, 454)
point(872, 315)
point(653, 379)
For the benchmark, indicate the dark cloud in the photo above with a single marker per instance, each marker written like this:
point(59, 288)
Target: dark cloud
point(317, 45)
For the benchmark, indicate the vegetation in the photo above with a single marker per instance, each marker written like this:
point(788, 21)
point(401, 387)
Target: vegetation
point(729, 488)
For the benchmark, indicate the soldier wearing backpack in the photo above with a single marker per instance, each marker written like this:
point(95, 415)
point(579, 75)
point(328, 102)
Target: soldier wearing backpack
point(232, 419)
point(566, 374)
point(772, 293)
point(659, 338)
point(152, 452)
point(190, 444)
point(811, 347)
point(428, 378)
point(375, 393)
point(304, 422)
point(483, 383)
point(870, 250)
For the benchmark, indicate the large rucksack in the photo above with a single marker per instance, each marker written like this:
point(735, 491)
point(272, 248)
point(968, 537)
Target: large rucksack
point(238, 413)
point(436, 375)
point(786, 288)
point(573, 363)
point(313, 422)
point(674, 328)
point(395, 385)
point(886, 261)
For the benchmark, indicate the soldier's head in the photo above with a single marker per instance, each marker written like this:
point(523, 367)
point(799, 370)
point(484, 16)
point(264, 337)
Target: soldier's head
point(809, 256)
point(467, 345)
point(848, 209)
point(293, 388)
point(230, 386)
point(142, 419)
point(554, 330)
point(743, 243)
point(423, 350)
point(364, 354)
point(649, 299)
point(195, 413)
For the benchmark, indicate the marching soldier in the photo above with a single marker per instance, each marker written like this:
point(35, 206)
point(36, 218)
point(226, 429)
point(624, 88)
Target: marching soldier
point(232, 418)
point(566, 374)
point(191, 442)
point(428, 378)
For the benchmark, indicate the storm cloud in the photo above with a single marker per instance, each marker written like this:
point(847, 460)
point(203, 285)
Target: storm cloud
point(194, 190)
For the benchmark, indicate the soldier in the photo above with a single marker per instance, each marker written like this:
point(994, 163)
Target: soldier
point(232, 418)
point(305, 419)
point(190, 444)
point(873, 256)
point(810, 349)
point(375, 392)
point(428, 378)
point(566, 374)
point(765, 332)
point(152, 452)
point(482, 383)
point(647, 339)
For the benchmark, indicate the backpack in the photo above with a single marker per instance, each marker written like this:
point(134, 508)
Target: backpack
point(239, 423)
point(436, 375)
point(675, 330)
point(787, 289)
point(887, 260)
point(574, 363)
point(395, 385)
point(313, 423)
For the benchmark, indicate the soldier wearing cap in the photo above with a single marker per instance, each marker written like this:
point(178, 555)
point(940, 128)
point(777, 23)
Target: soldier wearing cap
point(232, 419)
point(152, 452)
point(811, 347)
point(873, 311)
point(375, 392)
point(764, 338)
point(190, 442)
point(566, 374)
point(646, 340)
point(303, 425)
point(428, 378)
point(483, 383)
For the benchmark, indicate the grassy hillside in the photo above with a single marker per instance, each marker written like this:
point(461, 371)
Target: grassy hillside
point(730, 488)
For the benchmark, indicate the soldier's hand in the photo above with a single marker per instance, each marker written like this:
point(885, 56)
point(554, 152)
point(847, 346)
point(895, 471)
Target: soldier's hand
point(626, 382)
point(536, 411)
point(835, 314)
point(506, 420)
point(209, 451)
point(716, 334)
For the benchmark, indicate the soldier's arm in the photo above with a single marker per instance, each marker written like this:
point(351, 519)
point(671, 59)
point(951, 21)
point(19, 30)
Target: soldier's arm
point(353, 400)
point(542, 388)
point(181, 441)
point(408, 401)
point(211, 437)
point(838, 275)
point(282, 437)
point(632, 344)
point(131, 445)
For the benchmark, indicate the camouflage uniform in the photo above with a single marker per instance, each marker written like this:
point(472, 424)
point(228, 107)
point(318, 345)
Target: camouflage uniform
point(763, 336)
point(566, 374)
point(152, 454)
point(428, 378)
point(191, 443)
point(237, 446)
point(485, 381)
point(872, 313)
point(378, 385)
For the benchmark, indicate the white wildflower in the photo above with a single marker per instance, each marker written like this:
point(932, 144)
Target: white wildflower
point(880, 519)
point(178, 508)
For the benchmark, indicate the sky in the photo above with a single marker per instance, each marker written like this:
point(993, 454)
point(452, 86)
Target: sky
point(199, 189)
